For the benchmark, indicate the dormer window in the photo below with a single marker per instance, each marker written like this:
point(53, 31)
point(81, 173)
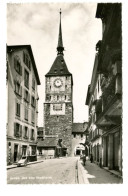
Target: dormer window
point(55, 71)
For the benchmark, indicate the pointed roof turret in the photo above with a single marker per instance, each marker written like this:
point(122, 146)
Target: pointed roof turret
point(59, 67)
point(60, 47)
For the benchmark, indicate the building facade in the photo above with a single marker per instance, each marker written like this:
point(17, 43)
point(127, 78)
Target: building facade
point(58, 106)
point(78, 139)
point(22, 103)
point(108, 105)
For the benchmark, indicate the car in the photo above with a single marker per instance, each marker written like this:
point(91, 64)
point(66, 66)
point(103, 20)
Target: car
point(22, 162)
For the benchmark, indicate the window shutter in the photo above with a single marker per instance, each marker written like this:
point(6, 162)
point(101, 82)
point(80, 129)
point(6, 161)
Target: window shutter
point(20, 70)
point(20, 130)
point(21, 91)
point(15, 63)
point(15, 85)
point(34, 102)
point(23, 57)
point(28, 97)
point(28, 133)
point(14, 129)
point(19, 108)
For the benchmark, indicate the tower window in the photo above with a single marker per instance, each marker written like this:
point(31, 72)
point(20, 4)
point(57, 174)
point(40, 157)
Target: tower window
point(65, 97)
point(57, 97)
point(50, 87)
point(62, 61)
point(61, 70)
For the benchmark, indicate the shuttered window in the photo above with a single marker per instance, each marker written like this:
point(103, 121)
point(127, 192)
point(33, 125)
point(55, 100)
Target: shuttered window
point(26, 78)
point(18, 88)
point(18, 109)
point(17, 65)
point(33, 101)
point(17, 130)
point(26, 133)
point(26, 60)
point(26, 96)
point(26, 113)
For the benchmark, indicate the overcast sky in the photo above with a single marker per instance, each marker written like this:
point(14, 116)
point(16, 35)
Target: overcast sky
point(38, 25)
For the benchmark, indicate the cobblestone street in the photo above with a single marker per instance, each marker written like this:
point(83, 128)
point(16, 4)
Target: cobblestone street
point(61, 171)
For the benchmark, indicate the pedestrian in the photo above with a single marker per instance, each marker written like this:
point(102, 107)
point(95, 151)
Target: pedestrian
point(84, 159)
point(91, 158)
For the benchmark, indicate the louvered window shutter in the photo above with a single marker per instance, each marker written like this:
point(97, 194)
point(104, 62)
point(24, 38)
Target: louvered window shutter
point(20, 130)
point(20, 70)
point(14, 129)
point(15, 63)
point(21, 91)
point(28, 133)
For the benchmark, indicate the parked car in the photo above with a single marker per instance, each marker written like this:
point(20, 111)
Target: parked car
point(22, 162)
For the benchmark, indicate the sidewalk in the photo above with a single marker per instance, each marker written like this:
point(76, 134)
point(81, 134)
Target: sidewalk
point(93, 174)
point(15, 165)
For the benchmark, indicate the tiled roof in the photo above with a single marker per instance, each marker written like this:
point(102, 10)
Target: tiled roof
point(79, 127)
point(59, 67)
point(48, 142)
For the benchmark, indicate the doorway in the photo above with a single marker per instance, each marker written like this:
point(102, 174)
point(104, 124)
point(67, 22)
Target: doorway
point(15, 152)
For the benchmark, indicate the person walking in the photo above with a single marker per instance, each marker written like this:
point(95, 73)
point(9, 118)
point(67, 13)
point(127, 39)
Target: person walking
point(91, 158)
point(84, 159)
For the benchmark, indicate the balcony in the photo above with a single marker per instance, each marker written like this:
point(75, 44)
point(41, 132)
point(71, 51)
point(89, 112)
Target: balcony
point(109, 108)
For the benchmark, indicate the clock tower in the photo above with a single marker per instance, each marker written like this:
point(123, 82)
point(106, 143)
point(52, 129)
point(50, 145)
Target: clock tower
point(58, 107)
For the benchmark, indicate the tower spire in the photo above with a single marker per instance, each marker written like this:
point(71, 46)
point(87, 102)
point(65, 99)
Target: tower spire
point(60, 47)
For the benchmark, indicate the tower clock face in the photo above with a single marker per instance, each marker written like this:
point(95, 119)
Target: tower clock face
point(58, 82)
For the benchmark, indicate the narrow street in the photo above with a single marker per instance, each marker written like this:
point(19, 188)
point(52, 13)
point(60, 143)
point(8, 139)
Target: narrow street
point(61, 171)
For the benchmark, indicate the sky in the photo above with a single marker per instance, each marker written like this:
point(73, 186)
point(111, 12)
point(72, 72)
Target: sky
point(37, 24)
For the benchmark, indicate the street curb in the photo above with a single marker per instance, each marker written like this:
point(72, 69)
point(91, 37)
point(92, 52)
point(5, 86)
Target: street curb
point(80, 173)
point(30, 163)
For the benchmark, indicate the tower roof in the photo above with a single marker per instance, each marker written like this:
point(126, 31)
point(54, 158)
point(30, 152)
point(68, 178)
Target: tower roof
point(60, 47)
point(59, 67)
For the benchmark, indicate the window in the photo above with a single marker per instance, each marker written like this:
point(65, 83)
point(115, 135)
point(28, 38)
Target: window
point(18, 109)
point(33, 150)
point(33, 117)
point(26, 113)
point(32, 134)
point(17, 65)
point(57, 107)
point(65, 86)
point(26, 60)
point(26, 96)
point(57, 97)
point(33, 101)
point(17, 130)
point(18, 88)
point(24, 150)
point(26, 78)
point(25, 132)
point(81, 135)
point(33, 84)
